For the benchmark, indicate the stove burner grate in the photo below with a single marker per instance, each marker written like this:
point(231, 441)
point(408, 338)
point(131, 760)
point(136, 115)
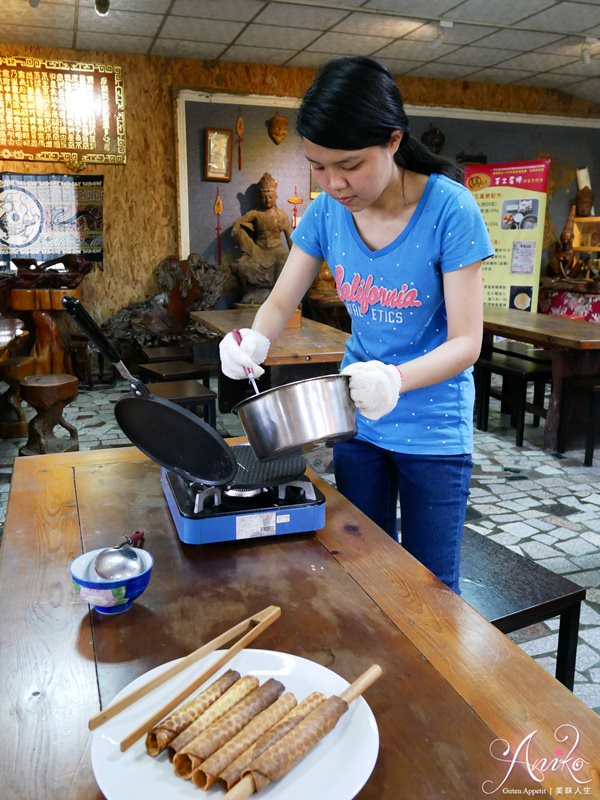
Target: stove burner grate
point(253, 474)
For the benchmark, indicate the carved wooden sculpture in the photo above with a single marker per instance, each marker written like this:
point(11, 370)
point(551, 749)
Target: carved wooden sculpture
point(565, 261)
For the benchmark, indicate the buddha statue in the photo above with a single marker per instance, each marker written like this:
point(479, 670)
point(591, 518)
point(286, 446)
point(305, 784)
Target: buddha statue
point(258, 235)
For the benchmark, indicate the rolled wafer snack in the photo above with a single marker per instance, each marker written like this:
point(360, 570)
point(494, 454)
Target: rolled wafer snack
point(279, 759)
point(207, 773)
point(233, 772)
point(202, 746)
point(167, 729)
point(225, 703)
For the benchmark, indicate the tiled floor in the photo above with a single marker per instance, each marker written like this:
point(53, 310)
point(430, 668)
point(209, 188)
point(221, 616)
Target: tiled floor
point(542, 505)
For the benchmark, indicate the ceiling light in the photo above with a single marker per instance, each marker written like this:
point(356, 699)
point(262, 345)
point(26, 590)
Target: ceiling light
point(586, 53)
point(102, 7)
point(34, 3)
point(444, 25)
point(586, 48)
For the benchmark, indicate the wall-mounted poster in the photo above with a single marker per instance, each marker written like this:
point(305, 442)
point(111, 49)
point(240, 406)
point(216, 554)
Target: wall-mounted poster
point(512, 199)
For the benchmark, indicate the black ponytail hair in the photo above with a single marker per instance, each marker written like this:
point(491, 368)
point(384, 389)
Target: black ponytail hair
point(354, 102)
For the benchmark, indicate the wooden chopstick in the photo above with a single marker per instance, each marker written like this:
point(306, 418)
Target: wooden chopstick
point(259, 623)
point(362, 683)
point(271, 613)
point(246, 787)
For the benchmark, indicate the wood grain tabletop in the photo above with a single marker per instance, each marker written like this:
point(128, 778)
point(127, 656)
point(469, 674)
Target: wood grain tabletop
point(453, 687)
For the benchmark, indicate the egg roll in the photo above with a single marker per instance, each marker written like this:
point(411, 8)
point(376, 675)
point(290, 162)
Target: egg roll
point(207, 773)
point(167, 729)
point(227, 701)
point(233, 772)
point(222, 730)
point(279, 759)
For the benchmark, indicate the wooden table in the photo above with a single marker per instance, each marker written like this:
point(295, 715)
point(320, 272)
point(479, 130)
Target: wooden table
point(350, 596)
point(303, 352)
point(574, 345)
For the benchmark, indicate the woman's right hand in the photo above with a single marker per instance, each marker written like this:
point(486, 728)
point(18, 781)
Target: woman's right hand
point(247, 355)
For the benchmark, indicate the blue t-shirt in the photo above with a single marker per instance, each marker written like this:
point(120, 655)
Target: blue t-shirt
point(396, 303)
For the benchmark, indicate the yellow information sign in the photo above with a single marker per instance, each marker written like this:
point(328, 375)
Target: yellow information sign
point(512, 199)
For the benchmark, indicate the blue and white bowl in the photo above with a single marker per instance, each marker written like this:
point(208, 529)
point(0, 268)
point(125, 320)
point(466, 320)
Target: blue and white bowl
point(106, 596)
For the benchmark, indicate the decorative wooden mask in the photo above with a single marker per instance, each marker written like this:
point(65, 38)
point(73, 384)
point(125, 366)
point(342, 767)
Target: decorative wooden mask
point(278, 128)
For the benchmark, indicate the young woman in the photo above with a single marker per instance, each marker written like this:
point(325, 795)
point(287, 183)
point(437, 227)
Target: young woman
point(405, 243)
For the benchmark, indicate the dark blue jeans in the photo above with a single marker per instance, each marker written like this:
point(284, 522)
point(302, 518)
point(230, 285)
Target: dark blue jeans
point(433, 493)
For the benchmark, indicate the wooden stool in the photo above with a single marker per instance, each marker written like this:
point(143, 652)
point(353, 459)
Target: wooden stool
point(49, 394)
point(520, 372)
point(590, 386)
point(174, 371)
point(189, 394)
point(13, 422)
point(167, 353)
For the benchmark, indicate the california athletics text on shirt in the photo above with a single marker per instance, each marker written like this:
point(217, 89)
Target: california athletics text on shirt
point(395, 299)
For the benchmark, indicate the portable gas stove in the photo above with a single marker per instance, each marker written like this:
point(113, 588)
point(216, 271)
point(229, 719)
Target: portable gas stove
point(215, 492)
point(265, 498)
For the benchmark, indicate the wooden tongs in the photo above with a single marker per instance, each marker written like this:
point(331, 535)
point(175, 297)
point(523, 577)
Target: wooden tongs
point(248, 630)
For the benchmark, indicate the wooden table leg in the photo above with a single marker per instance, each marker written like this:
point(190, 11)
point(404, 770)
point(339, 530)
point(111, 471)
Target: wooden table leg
point(568, 362)
point(566, 653)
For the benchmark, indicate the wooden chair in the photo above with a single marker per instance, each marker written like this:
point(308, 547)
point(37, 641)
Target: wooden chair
point(89, 364)
point(588, 385)
point(517, 374)
point(189, 394)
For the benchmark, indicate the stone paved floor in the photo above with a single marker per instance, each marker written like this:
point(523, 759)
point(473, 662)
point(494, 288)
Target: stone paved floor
point(540, 504)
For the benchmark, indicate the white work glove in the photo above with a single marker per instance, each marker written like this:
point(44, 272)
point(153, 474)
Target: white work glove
point(374, 387)
point(249, 354)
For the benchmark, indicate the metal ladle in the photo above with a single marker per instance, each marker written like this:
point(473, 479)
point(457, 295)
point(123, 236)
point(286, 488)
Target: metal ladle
point(122, 560)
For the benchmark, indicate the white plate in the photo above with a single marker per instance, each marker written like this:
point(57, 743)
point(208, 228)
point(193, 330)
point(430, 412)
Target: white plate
point(337, 768)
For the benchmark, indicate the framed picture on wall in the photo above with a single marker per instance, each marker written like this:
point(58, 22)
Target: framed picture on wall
point(218, 145)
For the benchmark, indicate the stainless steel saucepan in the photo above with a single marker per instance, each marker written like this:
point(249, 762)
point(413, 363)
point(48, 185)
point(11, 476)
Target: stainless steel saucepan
point(298, 415)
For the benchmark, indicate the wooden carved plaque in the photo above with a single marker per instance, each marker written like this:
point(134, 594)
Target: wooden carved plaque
point(61, 111)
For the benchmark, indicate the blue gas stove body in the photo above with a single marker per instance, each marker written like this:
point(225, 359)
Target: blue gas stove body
point(246, 517)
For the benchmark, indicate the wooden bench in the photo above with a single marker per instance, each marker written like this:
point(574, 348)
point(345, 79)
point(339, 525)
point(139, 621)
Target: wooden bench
point(189, 394)
point(512, 592)
point(174, 371)
point(517, 373)
point(167, 353)
point(522, 350)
